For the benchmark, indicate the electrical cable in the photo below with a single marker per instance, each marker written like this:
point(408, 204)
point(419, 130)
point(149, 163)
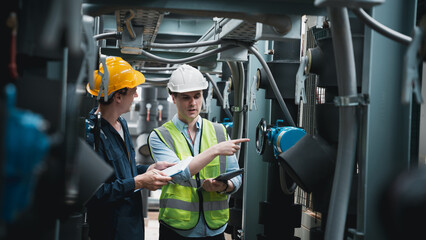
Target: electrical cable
point(380, 28)
point(348, 125)
point(188, 59)
point(232, 44)
point(273, 84)
point(108, 35)
point(184, 45)
point(157, 80)
point(157, 69)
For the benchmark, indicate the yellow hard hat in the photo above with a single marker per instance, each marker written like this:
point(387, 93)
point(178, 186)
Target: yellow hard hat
point(121, 75)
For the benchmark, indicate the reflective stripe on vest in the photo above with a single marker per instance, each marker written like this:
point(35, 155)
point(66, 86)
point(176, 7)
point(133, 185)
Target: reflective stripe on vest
point(180, 203)
point(191, 206)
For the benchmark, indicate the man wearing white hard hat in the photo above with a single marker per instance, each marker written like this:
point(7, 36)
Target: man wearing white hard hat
point(195, 206)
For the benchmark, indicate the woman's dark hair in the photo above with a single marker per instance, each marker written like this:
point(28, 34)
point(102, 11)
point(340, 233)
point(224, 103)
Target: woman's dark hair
point(122, 91)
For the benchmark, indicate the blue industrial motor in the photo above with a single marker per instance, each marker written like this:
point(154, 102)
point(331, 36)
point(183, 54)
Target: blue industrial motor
point(228, 124)
point(282, 138)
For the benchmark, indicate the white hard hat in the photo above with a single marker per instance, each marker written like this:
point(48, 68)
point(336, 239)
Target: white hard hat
point(186, 79)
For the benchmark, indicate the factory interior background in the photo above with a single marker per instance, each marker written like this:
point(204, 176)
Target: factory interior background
point(344, 74)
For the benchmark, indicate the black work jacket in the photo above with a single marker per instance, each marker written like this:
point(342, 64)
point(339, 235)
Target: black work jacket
point(115, 210)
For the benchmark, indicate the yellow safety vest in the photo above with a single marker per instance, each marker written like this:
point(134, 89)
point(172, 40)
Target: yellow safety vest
point(181, 204)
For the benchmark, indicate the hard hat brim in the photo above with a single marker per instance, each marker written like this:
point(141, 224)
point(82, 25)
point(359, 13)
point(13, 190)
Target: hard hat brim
point(139, 79)
point(177, 89)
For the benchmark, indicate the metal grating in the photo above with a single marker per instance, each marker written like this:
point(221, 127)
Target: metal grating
point(149, 19)
point(314, 95)
point(244, 32)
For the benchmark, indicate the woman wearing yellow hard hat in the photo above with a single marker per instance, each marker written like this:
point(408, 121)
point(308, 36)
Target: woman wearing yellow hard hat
point(115, 210)
point(121, 75)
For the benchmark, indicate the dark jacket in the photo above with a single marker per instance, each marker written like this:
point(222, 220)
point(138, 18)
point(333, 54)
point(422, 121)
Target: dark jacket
point(115, 210)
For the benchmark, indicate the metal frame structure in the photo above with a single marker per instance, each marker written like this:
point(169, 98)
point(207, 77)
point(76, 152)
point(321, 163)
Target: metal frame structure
point(385, 124)
point(385, 127)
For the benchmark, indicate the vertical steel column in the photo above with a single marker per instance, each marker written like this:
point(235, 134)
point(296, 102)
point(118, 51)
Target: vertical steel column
point(255, 176)
point(385, 126)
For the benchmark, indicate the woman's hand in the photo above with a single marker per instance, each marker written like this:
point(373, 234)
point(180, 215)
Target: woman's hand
point(152, 180)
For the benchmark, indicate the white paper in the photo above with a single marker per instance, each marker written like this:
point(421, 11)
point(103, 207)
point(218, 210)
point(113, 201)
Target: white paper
point(179, 167)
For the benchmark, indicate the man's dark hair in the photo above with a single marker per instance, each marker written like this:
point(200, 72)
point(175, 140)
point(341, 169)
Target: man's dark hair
point(172, 93)
point(122, 91)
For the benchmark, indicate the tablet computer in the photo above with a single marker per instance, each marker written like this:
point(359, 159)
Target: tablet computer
point(229, 175)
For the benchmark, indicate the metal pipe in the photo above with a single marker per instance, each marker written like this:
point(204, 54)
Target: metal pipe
point(188, 59)
point(157, 69)
point(274, 86)
point(348, 125)
point(157, 80)
point(219, 95)
point(184, 45)
point(380, 28)
point(108, 35)
point(64, 90)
